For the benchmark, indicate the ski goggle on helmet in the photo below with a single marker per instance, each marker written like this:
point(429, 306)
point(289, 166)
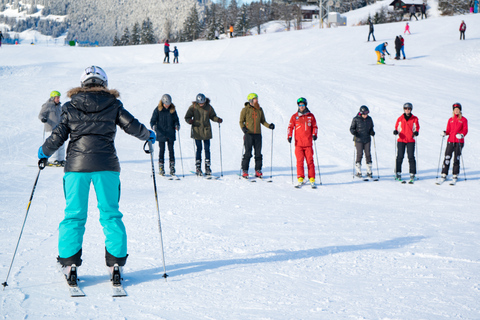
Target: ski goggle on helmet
point(457, 105)
point(94, 76)
point(364, 110)
point(54, 94)
point(302, 100)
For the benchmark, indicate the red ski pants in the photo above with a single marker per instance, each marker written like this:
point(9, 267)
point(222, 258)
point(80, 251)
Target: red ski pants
point(305, 153)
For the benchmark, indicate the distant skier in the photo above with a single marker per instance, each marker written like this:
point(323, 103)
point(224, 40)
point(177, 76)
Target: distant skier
point(412, 11)
point(251, 117)
point(407, 128)
point(1, 38)
point(361, 129)
point(166, 50)
point(50, 115)
point(164, 122)
point(231, 31)
point(370, 23)
point(424, 10)
point(403, 46)
point(407, 29)
point(175, 55)
point(398, 47)
point(304, 125)
point(90, 119)
point(463, 27)
point(457, 129)
point(198, 116)
point(380, 50)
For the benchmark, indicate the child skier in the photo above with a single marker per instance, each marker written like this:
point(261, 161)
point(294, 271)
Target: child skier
point(407, 128)
point(457, 129)
point(90, 120)
point(50, 115)
point(361, 129)
point(304, 125)
point(380, 50)
point(164, 122)
point(198, 116)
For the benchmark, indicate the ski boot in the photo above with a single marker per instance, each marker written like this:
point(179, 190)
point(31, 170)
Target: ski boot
point(245, 174)
point(312, 182)
point(358, 170)
point(369, 171)
point(412, 178)
point(198, 168)
point(208, 171)
point(116, 276)
point(161, 168)
point(172, 168)
point(70, 273)
point(299, 181)
point(398, 176)
point(259, 174)
point(454, 178)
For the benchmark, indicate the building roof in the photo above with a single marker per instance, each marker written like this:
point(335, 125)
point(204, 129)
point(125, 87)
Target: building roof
point(409, 2)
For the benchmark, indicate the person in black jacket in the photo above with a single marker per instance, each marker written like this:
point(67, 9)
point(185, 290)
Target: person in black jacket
point(398, 47)
point(370, 23)
point(90, 119)
point(362, 129)
point(164, 122)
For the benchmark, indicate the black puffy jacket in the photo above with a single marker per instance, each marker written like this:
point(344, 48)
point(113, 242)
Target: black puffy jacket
point(91, 119)
point(362, 128)
point(164, 120)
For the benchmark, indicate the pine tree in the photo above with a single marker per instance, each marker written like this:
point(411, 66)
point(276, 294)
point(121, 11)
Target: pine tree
point(191, 27)
point(453, 7)
point(243, 22)
point(116, 41)
point(148, 37)
point(125, 39)
point(135, 36)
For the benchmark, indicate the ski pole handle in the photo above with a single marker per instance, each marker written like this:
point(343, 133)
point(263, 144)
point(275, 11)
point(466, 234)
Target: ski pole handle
point(42, 163)
point(150, 147)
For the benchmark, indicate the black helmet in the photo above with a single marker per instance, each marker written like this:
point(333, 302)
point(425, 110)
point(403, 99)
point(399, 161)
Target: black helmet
point(200, 98)
point(167, 99)
point(302, 100)
point(364, 110)
point(457, 105)
point(408, 105)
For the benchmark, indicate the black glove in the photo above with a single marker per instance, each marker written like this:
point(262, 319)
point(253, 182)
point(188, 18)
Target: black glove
point(395, 132)
point(289, 139)
point(44, 120)
point(415, 133)
point(245, 130)
point(372, 133)
point(314, 137)
point(220, 120)
point(190, 121)
point(271, 126)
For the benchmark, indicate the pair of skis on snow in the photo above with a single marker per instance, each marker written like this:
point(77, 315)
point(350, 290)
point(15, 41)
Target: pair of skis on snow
point(208, 177)
point(303, 183)
point(441, 181)
point(76, 291)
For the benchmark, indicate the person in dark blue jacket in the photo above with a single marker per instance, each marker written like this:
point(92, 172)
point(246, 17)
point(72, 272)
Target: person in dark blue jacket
point(175, 55)
point(380, 50)
point(361, 129)
point(164, 122)
point(166, 50)
point(90, 119)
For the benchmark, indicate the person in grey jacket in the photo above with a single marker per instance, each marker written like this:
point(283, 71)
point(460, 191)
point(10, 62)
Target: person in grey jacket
point(90, 119)
point(361, 129)
point(50, 116)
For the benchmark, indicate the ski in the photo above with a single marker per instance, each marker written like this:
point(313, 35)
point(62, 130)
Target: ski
point(263, 179)
point(72, 284)
point(116, 279)
point(313, 185)
point(299, 185)
point(439, 182)
point(411, 181)
point(207, 177)
point(454, 182)
point(248, 178)
point(166, 177)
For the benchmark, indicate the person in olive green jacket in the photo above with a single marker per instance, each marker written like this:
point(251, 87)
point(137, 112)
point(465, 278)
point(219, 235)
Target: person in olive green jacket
point(251, 118)
point(199, 115)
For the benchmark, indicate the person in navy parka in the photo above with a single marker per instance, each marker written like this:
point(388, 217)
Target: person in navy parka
point(164, 122)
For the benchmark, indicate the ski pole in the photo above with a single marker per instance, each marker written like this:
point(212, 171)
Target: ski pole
point(416, 151)
point(291, 161)
point(150, 151)
point(440, 157)
point(376, 159)
point(463, 164)
point(395, 166)
point(41, 165)
point(243, 148)
point(220, 141)
point(354, 153)
point(180, 147)
point(271, 158)
point(318, 163)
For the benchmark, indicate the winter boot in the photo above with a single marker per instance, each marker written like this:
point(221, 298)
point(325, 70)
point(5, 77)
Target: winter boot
point(208, 171)
point(358, 169)
point(161, 168)
point(398, 176)
point(172, 168)
point(198, 168)
point(116, 275)
point(369, 170)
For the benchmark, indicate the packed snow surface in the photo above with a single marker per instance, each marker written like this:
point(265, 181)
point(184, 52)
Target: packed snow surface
point(239, 250)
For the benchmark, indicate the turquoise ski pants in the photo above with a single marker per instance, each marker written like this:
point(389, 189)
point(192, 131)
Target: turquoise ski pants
point(76, 186)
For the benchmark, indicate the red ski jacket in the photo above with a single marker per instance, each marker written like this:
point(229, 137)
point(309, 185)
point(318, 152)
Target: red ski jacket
point(305, 127)
point(454, 126)
point(406, 128)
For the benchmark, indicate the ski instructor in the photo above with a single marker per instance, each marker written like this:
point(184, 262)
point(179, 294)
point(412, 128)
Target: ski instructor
point(90, 119)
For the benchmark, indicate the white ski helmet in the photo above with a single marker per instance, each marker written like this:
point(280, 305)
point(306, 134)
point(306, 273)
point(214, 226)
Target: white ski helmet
point(167, 99)
point(201, 98)
point(94, 76)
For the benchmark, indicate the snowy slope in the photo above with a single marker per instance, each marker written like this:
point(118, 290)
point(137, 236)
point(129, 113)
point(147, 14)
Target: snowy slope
point(239, 250)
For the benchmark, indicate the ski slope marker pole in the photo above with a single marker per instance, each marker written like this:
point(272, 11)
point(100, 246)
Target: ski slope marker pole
point(150, 151)
point(41, 165)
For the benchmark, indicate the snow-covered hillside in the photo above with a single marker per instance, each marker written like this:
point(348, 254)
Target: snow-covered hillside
point(240, 250)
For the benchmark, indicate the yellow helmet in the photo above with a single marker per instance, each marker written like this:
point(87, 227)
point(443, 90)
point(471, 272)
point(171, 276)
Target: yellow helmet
point(54, 94)
point(252, 96)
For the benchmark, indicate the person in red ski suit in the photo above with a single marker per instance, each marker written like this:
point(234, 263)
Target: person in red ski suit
point(304, 124)
point(407, 128)
point(457, 129)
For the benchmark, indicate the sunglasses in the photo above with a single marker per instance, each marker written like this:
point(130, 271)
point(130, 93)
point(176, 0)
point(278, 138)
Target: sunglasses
point(301, 104)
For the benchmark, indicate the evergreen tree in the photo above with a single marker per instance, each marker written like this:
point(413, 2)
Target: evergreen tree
point(116, 41)
point(191, 27)
point(453, 7)
point(232, 12)
point(125, 39)
point(135, 36)
point(148, 37)
point(243, 22)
